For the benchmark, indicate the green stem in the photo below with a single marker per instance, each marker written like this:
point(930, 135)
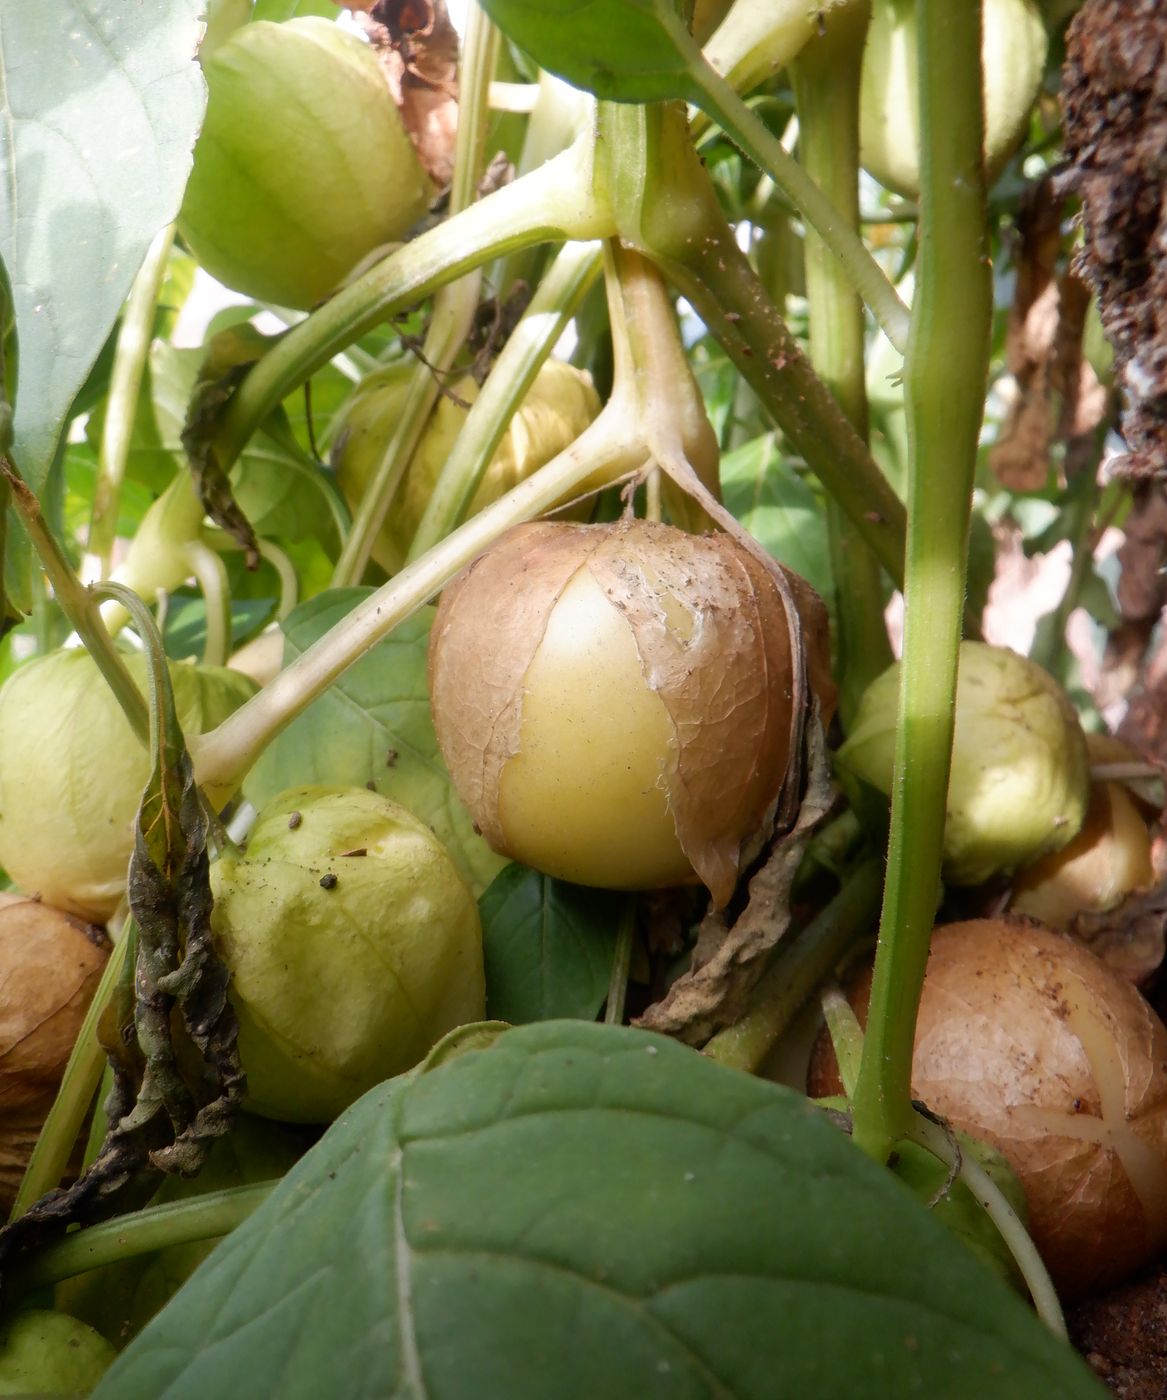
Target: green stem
point(557, 201)
point(798, 968)
point(846, 1035)
point(944, 377)
point(206, 1217)
point(63, 1123)
point(989, 1196)
point(715, 96)
point(76, 602)
point(223, 756)
point(210, 573)
point(826, 85)
point(125, 384)
point(621, 963)
point(550, 311)
point(453, 311)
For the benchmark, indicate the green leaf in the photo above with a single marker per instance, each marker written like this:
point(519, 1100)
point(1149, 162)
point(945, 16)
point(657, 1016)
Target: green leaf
point(779, 509)
point(548, 946)
point(583, 1211)
point(373, 726)
point(280, 10)
point(101, 103)
point(625, 50)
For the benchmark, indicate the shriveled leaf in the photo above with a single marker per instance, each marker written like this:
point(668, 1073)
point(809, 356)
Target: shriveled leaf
point(581, 1211)
point(547, 945)
point(730, 957)
point(86, 188)
point(373, 726)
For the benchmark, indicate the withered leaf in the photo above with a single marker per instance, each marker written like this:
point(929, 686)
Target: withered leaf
point(730, 957)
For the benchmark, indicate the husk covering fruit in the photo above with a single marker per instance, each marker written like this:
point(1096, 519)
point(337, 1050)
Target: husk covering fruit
point(47, 1353)
point(303, 166)
point(1013, 51)
point(1019, 784)
point(353, 946)
point(614, 703)
point(72, 772)
point(50, 965)
point(1028, 1040)
point(558, 406)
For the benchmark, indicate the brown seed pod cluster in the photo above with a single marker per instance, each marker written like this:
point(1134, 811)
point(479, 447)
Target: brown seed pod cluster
point(50, 964)
point(1029, 1041)
point(616, 703)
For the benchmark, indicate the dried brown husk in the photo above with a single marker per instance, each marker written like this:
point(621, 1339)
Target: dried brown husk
point(1029, 1041)
point(714, 642)
point(50, 964)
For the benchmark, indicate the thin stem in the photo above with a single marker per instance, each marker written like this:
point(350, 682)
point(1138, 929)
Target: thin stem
point(141, 1232)
point(826, 84)
point(125, 383)
point(621, 963)
point(515, 370)
point(945, 374)
point(557, 201)
point(846, 1035)
point(798, 968)
point(76, 602)
point(453, 312)
point(716, 97)
point(989, 1196)
point(82, 1075)
point(223, 756)
point(210, 573)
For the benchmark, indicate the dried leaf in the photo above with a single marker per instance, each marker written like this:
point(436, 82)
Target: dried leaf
point(1131, 938)
point(730, 957)
point(417, 47)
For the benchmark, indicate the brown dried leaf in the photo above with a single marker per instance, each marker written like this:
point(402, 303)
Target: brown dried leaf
point(729, 958)
point(417, 48)
point(1132, 938)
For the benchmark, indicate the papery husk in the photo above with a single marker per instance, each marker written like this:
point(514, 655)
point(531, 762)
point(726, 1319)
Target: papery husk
point(1029, 1041)
point(50, 965)
point(714, 642)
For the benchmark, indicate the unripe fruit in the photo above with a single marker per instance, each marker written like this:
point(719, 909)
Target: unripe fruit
point(1029, 1041)
point(1013, 51)
point(614, 703)
point(353, 947)
point(303, 166)
point(72, 772)
point(558, 406)
point(47, 1353)
point(1019, 783)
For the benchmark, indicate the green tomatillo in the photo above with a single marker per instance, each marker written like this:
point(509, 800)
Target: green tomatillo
point(353, 947)
point(303, 166)
point(72, 772)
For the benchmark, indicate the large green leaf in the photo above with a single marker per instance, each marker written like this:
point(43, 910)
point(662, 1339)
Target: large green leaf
point(101, 103)
point(585, 1211)
point(373, 726)
point(548, 946)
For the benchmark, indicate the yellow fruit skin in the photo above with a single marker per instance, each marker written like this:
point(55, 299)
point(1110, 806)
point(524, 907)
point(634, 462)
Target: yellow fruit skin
point(346, 968)
point(1014, 49)
point(303, 166)
point(585, 683)
point(558, 406)
point(72, 773)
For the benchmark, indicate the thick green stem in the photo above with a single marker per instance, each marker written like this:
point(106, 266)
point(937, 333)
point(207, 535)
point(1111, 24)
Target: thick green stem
point(76, 602)
point(717, 98)
point(125, 383)
point(798, 968)
point(528, 346)
point(557, 201)
point(453, 311)
point(826, 85)
point(944, 377)
point(206, 1217)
